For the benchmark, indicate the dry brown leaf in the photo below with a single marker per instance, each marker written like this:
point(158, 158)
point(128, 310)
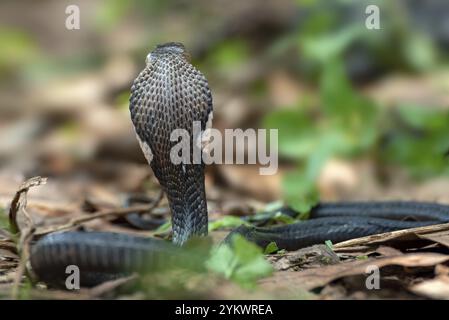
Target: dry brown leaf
point(428, 90)
point(246, 179)
point(318, 277)
point(8, 254)
point(353, 252)
point(6, 265)
point(442, 270)
point(109, 286)
point(438, 237)
point(8, 245)
point(437, 288)
point(284, 90)
point(314, 256)
point(337, 178)
point(388, 251)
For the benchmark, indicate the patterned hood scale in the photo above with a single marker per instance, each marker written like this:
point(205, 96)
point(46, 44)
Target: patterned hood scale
point(171, 94)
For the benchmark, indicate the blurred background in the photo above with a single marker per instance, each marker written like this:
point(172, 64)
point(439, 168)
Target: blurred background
point(362, 114)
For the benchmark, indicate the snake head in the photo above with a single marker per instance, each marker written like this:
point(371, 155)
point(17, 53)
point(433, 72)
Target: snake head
point(167, 49)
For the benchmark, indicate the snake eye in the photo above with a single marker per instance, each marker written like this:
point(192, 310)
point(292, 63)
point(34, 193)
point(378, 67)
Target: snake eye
point(149, 59)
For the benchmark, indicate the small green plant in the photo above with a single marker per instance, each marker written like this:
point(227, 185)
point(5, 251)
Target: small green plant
point(226, 222)
point(242, 262)
point(271, 248)
point(329, 244)
point(163, 228)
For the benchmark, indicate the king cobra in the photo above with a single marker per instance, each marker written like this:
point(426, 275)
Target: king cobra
point(171, 94)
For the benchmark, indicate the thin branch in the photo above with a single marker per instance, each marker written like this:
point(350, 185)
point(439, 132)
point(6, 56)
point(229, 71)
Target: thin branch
point(382, 237)
point(109, 286)
point(109, 213)
point(18, 207)
point(19, 201)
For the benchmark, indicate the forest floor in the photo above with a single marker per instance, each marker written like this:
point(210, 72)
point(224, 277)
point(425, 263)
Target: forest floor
point(407, 264)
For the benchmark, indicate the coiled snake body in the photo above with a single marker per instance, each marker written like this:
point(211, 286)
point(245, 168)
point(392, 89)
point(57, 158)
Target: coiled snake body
point(171, 94)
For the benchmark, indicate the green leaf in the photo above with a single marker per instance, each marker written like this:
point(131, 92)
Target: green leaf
point(326, 47)
point(271, 216)
point(226, 222)
point(300, 192)
point(275, 205)
point(424, 117)
point(222, 261)
point(227, 54)
point(297, 137)
point(163, 228)
point(420, 52)
point(353, 119)
point(242, 262)
point(419, 142)
point(280, 217)
point(111, 12)
point(329, 244)
point(18, 49)
point(271, 248)
point(252, 263)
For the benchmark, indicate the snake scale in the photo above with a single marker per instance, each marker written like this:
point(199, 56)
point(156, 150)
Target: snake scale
point(170, 93)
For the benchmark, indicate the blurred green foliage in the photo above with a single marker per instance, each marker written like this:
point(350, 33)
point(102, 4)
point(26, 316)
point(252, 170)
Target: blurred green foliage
point(229, 54)
point(18, 50)
point(420, 52)
point(343, 123)
point(226, 57)
point(112, 12)
point(4, 220)
point(420, 142)
point(242, 262)
point(346, 125)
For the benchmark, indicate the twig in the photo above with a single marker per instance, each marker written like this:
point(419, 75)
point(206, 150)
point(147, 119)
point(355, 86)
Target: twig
point(109, 213)
point(382, 237)
point(108, 286)
point(25, 240)
point(8, 245)
point(19, 201)
point(18, 205)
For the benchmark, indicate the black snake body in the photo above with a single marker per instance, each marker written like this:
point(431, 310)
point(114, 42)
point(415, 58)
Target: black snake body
point(171, 94)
